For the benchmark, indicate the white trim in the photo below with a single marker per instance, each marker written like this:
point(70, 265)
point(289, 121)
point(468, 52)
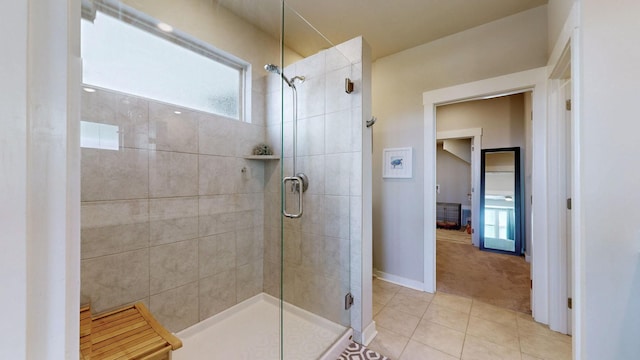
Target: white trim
point(476, 135)
point(369, 333)
point(564, 37)
point(579, 270)
point(198, 327)
point(399, 280)
point(556, 213)
point(225, 314)
point(535, 80)
point(565, 53)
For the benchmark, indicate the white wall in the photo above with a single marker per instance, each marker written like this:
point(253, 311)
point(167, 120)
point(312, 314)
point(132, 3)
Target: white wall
point(501, 120)
point(454, 177)
point(39, 186)
point(609, 196)
point(558, 10)
point(13, 194)
point(505, 46)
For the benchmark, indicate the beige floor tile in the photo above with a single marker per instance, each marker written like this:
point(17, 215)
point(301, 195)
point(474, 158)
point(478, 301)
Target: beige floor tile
point(418, 351)
point(505, 335)
point(377, 306)
point(384, 291)
point(425, 296)
point(529, 328)
point(454, 302)
point(478, 349)
point(382, 284)
point(446, 316)
point(388, 343)
point(456, 327)
point(545, 347)
point(493, 313)
point(397, 321)
point(523, 316)
point(408, 303)
point(439, 337)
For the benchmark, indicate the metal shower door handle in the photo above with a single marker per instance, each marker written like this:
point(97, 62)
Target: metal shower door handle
point(297, 186)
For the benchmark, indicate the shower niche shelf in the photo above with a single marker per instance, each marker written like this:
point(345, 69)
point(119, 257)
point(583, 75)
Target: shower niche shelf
point(262, 157)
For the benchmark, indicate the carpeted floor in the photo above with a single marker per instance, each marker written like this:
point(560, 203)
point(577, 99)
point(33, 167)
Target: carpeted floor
point(497, 279)
point(455, 236)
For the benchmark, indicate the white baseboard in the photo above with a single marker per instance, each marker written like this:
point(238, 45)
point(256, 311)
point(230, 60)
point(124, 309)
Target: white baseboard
point(398, 280)
point(369, 333)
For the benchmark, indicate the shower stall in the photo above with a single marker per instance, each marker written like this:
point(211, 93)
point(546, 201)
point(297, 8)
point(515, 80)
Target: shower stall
point(243, 256)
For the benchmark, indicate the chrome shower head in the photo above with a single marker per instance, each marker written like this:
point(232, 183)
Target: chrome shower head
point(276, 70)
point(273, 69)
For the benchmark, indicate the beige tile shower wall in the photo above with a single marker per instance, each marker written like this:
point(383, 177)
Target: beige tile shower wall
point(317, 246)
point(174, 217)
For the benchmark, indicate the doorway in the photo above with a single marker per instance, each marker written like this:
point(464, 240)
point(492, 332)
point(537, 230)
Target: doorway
point(462, 144)
point(497, 122)
point(531, 80)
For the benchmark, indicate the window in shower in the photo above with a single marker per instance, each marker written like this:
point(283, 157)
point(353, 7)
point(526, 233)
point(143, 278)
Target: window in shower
point(134, 54)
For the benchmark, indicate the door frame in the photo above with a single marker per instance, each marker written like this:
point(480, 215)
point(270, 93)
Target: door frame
point(557, 158)
point(475, 134)
point(530, 80)
point(565, 57)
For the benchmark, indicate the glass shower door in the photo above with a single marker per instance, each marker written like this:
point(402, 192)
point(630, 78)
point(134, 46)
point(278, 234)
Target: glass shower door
point(320, 189)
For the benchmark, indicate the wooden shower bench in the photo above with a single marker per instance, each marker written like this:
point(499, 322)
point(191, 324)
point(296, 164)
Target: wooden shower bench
point(128, 333)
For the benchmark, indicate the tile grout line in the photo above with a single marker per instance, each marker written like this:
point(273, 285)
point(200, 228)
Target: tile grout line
point(466, 329)
point(416, 328)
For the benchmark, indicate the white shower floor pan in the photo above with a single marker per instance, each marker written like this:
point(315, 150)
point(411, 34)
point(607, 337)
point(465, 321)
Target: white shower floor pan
point(251, 331)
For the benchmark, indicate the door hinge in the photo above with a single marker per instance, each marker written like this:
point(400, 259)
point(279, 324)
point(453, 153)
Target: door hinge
point(348, 301)
point(531, 284)
point(569, 204)
point(568, 105)
point(570, 303)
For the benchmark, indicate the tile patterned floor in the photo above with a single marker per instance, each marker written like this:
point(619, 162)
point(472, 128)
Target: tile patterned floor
point(356, 351)
point(414, 325)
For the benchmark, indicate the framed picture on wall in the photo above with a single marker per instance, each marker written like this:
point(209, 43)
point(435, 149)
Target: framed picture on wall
point(397, 163)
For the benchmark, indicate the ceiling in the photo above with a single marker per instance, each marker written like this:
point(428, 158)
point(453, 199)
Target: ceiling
point(389, 26)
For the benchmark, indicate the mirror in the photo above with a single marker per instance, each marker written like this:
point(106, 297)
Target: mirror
point(501, 201)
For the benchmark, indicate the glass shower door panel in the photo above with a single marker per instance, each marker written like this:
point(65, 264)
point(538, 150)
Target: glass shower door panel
point(316, 246)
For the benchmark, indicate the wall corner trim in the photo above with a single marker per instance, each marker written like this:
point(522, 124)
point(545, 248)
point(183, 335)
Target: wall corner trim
point(369, 333)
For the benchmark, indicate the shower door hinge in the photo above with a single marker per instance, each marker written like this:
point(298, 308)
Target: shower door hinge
point(570, 303)
point(348, 301)
point(348, 86)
